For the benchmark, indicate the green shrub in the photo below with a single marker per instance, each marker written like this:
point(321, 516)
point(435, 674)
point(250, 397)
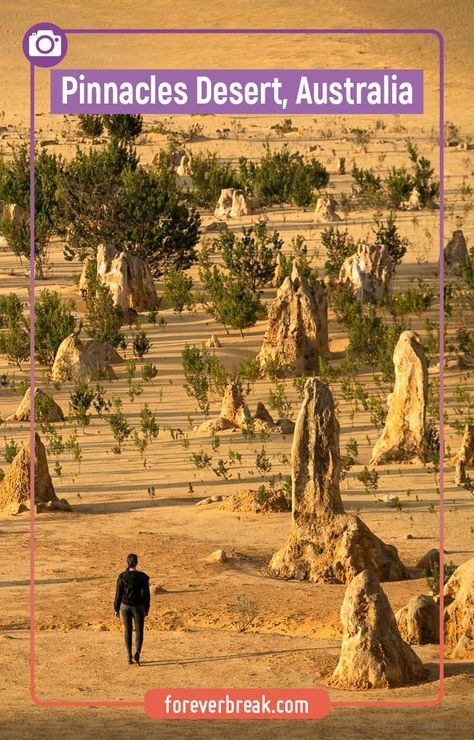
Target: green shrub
point(201, 460)
point(230, 299)
point(248, 370)
point(91, 125)
point(15, 188)
point(106, 197)
point(247, 611)
point(285, 127)
point(178, 290)
point(210, 177)
point(204, 375)
point(465, 340)
point(251, 257)
point(361, 136)
point(345, 305)
point(140, 343)
point(43, 407)
point(369, 479)
point(153, 222)
point(11, 450)
point(298, 255)
point(54, 321)
point(386, 235)
point(149, 371)
point(426, 184)
point(339, 245)
point(197, 368)
point(119, 425)
point(88, 196)
point(433, 579)
point(283, 177)
point(372, 342)
point(278, 400)
point(234, 303)
point(123, 126)
point(367, 190)
point(399, 184)
point(14, 330)
point(452, 134)
point(80, 401)
point(412, 301)
point(104, 319)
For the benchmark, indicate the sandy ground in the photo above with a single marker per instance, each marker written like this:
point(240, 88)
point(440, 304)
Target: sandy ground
point(192, 637)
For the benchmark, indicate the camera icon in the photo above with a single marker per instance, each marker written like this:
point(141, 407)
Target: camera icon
point(44, 43)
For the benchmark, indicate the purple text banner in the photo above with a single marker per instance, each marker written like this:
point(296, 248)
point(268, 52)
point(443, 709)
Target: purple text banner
point(262, 91)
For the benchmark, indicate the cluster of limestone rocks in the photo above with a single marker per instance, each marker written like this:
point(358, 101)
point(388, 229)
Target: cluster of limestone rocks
point(297, 330)
point(328, 545)
point(235, 414)
point(325, 544)
point(234, 203)
point(131, 286)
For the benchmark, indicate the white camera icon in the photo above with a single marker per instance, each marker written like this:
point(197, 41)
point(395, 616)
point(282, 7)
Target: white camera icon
point(44, 43)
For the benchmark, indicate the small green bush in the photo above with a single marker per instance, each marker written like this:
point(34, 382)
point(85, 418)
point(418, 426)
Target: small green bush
point(284, 177)
point(339, 245)
point(119, 425)
point(433, 579)
point(252, 256)
point(399, 184)
point(54, 321)
point(11, 450)
point(91, 125)
point(386, 235)
point(123, 126)
point(412, 301)
point(178, 290)
point(367, 190)
point(197, 369)
point(423, 178)
point(284, 127)
point(103, 319)
point(230, 299)
point(140, 343)
point(210, 176)
point(14, 330)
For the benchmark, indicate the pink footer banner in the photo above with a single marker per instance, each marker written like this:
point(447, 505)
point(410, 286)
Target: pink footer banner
point(237, 703)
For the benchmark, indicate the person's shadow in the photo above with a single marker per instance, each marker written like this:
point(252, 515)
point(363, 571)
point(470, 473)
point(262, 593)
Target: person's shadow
point(235, 656)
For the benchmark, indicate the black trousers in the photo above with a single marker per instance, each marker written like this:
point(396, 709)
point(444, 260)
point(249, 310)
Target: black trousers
point(133, 616)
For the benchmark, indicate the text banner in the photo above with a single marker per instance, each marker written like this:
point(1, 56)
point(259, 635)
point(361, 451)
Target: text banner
point(237, 91)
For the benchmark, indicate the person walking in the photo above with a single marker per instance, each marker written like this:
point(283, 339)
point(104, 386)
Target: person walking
point(132, 603)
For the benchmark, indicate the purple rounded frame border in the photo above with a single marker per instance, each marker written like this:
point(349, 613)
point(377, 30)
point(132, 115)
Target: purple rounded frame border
point(246, 31)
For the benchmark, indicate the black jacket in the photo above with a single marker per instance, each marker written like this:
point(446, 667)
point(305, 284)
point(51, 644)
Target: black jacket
point(133, 589)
